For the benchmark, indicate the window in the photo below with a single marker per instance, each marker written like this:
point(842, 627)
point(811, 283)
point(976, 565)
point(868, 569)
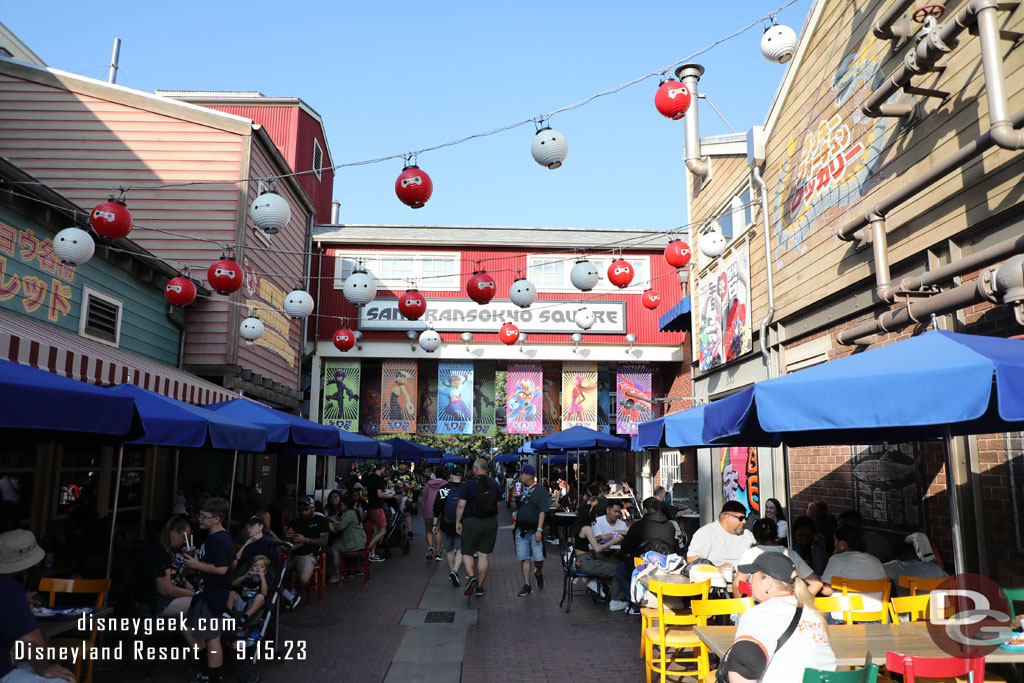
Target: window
point(18, 466)
point(394, 271)
point(669, 469)
point(101, 317)
point(548, 271)
point(732, 219)
point(551, 272)
point(318, 159)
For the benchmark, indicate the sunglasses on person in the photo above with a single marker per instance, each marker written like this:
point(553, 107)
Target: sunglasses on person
point(741, 518)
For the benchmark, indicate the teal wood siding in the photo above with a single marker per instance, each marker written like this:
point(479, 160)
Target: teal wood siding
point(35, 284)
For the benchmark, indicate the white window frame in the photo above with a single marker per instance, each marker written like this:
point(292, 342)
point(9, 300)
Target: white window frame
point(735, 206)
point(87, 294)
point(641, 279)
point(372, 262)
point(669, 466)
point(318, 168)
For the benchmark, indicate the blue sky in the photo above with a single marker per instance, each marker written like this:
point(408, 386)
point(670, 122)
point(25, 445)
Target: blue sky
point(389, 78)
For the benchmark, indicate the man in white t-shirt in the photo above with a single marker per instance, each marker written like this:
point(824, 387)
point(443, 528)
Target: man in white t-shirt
point(610, 523)
point(852, 561)
point(757, 653)
point(722, 543)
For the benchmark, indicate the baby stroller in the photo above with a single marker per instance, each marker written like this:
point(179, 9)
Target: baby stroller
point(395, 535)
point(264, 625)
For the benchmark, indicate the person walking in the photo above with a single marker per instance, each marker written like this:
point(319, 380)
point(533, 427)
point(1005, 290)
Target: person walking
point(530, 507)
point(446, 504)
point(476, 520)
point(376, 492)
point(436, 482)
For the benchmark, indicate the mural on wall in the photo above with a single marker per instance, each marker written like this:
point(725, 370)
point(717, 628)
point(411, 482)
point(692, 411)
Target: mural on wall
point(398, 385)
point(483, 398)
point(369, 399)
point(341, 394)
point(455, 397)
point(740, 477)
point(426, 419)
point(887, 486)
point(833, 157)
point(723, 294)
point(268, 308)
point(19, 282)
point(579, 394)
point(523, 398)
point(632, 397)
point(1015, 466)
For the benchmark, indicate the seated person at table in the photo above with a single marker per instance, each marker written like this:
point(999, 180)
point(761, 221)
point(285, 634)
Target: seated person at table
point(852, 561)
point(164, 564)
point(589, 557)
point(610, 524)
point(652, 532)
point(349, 535)
point(624, 489)
point(722, 543)
point(257, 542)
point(908, 563)
point(874, 542)
point(809, 544)
point(249, 591)
point(667, 509)
point(760, 651)
point(307, 532)
point(766, 532)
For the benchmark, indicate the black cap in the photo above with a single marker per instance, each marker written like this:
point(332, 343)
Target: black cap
point(305, 502)
point(255, 519)
point(775, 565)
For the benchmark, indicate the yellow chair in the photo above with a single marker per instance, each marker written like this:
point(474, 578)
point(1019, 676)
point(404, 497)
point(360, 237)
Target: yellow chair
point(702, 609)
point(883, 586)
point(649, 617)
point(79, 587)
point(916, 583)
point(840, 603)
point(668, 634)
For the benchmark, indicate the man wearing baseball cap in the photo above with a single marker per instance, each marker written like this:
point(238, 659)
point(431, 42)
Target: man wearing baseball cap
point(784, 633)
point(530, 507)
point(307, 532)
point(18, 552)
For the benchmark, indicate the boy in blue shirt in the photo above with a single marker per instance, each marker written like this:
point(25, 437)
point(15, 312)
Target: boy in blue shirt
point(213, 562)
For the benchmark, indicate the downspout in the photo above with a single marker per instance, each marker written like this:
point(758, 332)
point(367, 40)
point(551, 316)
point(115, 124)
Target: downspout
point(181, 327)
point(689, 74)
point(767, 319)
point(880, 248)
point(1000, 126)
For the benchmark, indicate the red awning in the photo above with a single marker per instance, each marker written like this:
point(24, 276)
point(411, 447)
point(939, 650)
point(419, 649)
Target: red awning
point(29, 342)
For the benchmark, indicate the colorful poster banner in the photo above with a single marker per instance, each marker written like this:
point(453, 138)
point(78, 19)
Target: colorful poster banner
point(340, 407)
point(484, 412)
point(426, 419)
point(723, 295)
point(398, 384)
point(604, 388)
point(633, 397)
point(455, 397)
point(523, 398)
point(740, 477)
point(552, 404)
point(369, 400)
point(579, 394)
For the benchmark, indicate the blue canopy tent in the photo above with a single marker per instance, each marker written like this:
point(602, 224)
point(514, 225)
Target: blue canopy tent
point(410, 450)
point(578, 438)
point(885, 394)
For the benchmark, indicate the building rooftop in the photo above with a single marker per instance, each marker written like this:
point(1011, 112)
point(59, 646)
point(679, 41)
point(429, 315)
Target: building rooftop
point(490, 236)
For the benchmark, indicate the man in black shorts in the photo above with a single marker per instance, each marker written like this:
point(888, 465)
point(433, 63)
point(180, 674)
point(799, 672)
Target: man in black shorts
point(476, 520)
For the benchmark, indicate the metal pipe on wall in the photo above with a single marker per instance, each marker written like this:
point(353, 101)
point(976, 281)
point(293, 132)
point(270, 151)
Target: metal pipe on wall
point(767, 320)
point(1000, 126)
point(967, 264)
point(885, 27)
point(689, 74)
point(880, 250)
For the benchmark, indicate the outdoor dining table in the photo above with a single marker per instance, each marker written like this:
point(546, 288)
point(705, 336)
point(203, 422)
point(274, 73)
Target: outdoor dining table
point(53, 627)
point(852, 642)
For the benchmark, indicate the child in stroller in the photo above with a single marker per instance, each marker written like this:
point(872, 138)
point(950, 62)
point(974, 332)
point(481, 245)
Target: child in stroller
point(395, 535)
point(250, 591)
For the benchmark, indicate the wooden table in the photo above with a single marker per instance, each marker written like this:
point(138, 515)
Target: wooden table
point(852, 643)
point(54, 627)
point(664, 578)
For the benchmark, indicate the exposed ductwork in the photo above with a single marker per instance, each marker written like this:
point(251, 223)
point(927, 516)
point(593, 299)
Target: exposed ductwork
point(689, 74)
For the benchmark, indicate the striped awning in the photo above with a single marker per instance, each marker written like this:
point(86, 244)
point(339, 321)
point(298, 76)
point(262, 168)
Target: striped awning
point(30, 342)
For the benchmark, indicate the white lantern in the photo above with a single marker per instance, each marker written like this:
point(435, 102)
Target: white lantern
point(430, 340)
point(251, 329)
point(360, 288)
point(73, 246)
point(584, 275)
point(298, 303)
point(270, 212)
point(712, 243)
point(549, 148)
point(778, 44)
point(522, 293)
point(585, 318)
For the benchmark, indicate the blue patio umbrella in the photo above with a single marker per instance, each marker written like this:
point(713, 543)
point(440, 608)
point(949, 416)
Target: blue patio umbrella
point(562, 459)
point(352, 445)
point(578, 438)
point(434, 461)
point(410, 450)
point(452, 459)
point(507, 457)
point(281, 427)
point(677, 430)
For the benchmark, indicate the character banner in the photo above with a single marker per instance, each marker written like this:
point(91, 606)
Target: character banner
point(426, 420)
point(723, 296)
point(484, 414)
point(523, 398)
point(398, 391)
point(633, 397)
point(455, 397)
point(552, 402)
point(579, 394)
point(341, 394)
point(604, 383)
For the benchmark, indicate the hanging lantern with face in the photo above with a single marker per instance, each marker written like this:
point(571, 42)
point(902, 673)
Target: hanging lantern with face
point(360, 287)
point(111, 219)
point(778, 44)
point(414, 187)
point(677, 254)
point(522, 293)
point(672, 99)
point(508, 334)
point(225, 276)
point(180, 291)
point(73, 246)
point(650, 299)
point(344, 339)
point(412, 305)
point(251, 328)
point(620, 273)
point(270, 212)
point(481, 288)
point(549, 148)
point(585, 318)
point(298, 304)
point(584, 275)
point(712, 243)
point(430, 340)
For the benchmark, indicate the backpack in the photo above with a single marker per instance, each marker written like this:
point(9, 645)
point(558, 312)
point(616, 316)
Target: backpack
point(486, 503)
point(657, 545)
point(451, 502)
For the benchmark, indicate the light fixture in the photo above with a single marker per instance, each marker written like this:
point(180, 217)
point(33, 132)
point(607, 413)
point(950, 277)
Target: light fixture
point(270, 212)
point(251, 328)
point(73, 246)
point(359, 337)
point(672, 99)
point(584, 318)
point(584, 275)
point(522, 293)
point(225, 276)
point(180, 291)
point(413, 186)
point(778, 44)
point(549, 148)
point(430, 340)
point(360, 287)
point(111, 219)
point(712, 242)
point(577, 339)
point(522, 340)
point(412, 336)
point(344, 339)
point(467, 337)
point(298, 304)
point(630, 339)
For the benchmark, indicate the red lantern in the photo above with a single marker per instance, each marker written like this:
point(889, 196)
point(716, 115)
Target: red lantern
point(672, 100)
point(412, 305)
point(180, 291)
point(111, 219)
point(650, 299)
point(508, 334)
point(677, 253)
point(620, 273)
point(344, 339)
point(413, 187)
point(225, 276)
point(481, 288)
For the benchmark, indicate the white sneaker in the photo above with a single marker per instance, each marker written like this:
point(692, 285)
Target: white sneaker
point(592, 585)
point(617, 605)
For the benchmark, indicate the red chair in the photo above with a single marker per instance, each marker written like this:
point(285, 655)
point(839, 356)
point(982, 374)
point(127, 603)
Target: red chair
point(743, 587)
point(934, 667)
point(364, 554)
point(319, 578)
